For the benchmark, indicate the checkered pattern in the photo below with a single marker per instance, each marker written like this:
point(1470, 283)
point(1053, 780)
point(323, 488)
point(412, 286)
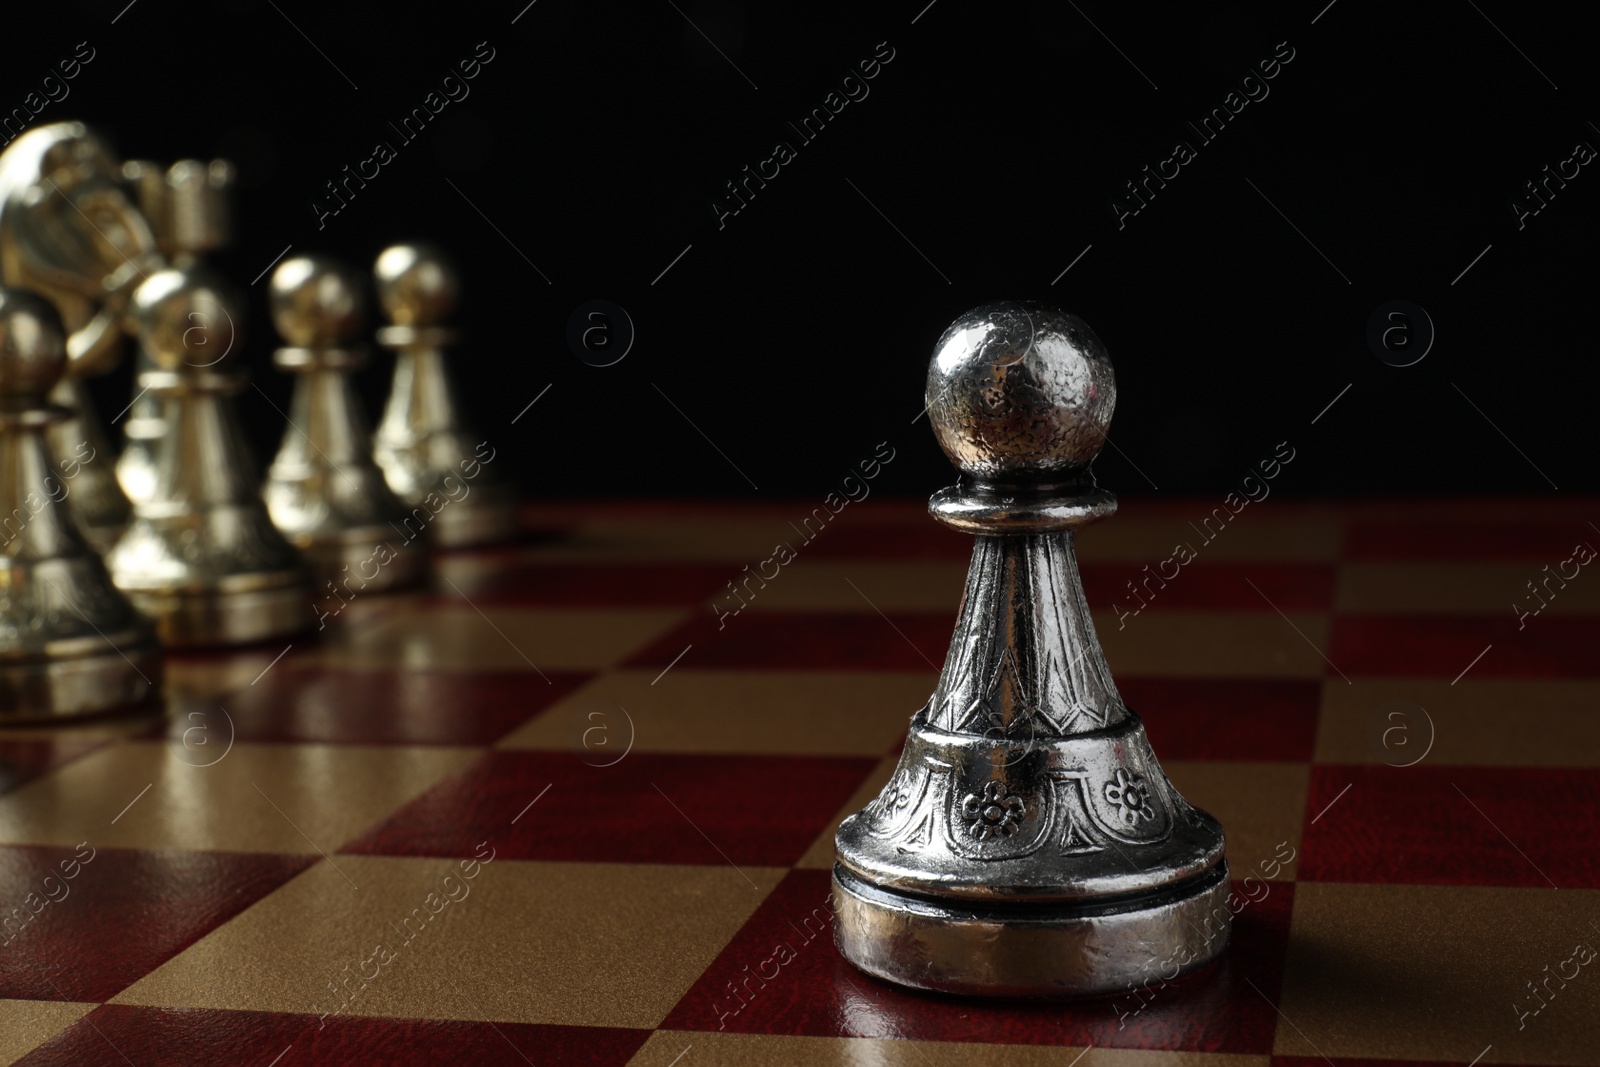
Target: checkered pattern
point(551, 810)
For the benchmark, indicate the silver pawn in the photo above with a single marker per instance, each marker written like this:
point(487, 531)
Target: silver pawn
point(324, 490)
point(202, 556)
point(70, 644)
point(428, 457)
point(1028, 843)
point(187, 205)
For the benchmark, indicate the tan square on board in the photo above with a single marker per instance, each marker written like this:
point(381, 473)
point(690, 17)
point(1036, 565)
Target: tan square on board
point(1402, 721)
point(27, 1024)
point(714, 1049)
point(844, 713)
point(613, 944)
point(209, 679)
point(515, 639)
point(89, 731)
point(1213, 644)
point(256, 798)
point(1261, 807)
point(1440, 973)
point(1493, 589)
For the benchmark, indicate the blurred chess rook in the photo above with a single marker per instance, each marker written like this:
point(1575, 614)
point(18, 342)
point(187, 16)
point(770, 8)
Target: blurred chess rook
point(190, 213)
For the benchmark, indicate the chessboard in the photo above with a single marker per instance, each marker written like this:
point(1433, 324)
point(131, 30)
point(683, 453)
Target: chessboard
point(574, 801)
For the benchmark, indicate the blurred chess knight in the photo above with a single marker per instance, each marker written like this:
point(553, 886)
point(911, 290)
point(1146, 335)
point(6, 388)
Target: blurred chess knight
point(69, 232)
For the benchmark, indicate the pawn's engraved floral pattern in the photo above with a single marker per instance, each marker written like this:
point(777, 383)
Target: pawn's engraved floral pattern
point(996, 813)
point(1131, 796)
point(895, 796)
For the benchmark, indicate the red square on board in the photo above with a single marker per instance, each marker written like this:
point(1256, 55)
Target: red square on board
point(320, 704)
point(123, 914)
point(1246, 719)
point(1446, 646)
point(647, 808)
point(120, 1033)
point(1505, 826)
point(805, 640)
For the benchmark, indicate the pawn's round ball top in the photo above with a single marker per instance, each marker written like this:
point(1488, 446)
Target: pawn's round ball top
point(188, 320)
point(33, 349)
point(416, 284)
point(316, 301)
point(1018, 391)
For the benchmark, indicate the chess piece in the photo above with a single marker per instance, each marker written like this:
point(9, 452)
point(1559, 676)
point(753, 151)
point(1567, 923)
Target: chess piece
point(69, 233)
point(187, 206)
point(1028, 843)
point(427, 456)
point(324, 490)
point(70, 644)
point(201, 556)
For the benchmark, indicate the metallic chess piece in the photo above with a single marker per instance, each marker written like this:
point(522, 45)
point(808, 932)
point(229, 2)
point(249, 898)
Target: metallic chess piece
point(1028, 843)
point(187, 204)
point(202, 556)
point(70, 644)
point(188, 208)
point(69, 232)
point(420, 444)
point(324, 490)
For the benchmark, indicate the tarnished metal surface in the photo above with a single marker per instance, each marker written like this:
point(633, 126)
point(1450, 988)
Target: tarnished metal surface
point(428, 455)
point(1028, 843)
point(70, 232)
point(201, 556)
point(1019, 391)
point(70, 643)
point(189, 211)
point(324, 490)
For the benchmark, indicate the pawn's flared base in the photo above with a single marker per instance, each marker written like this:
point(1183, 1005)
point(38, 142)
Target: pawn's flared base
point(189, 619)
point(472, 523)
point(1030, 950)
point(367, 559)
point(123, 674)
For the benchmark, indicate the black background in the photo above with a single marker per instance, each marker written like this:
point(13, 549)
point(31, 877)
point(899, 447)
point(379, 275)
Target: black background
point(796, 337)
